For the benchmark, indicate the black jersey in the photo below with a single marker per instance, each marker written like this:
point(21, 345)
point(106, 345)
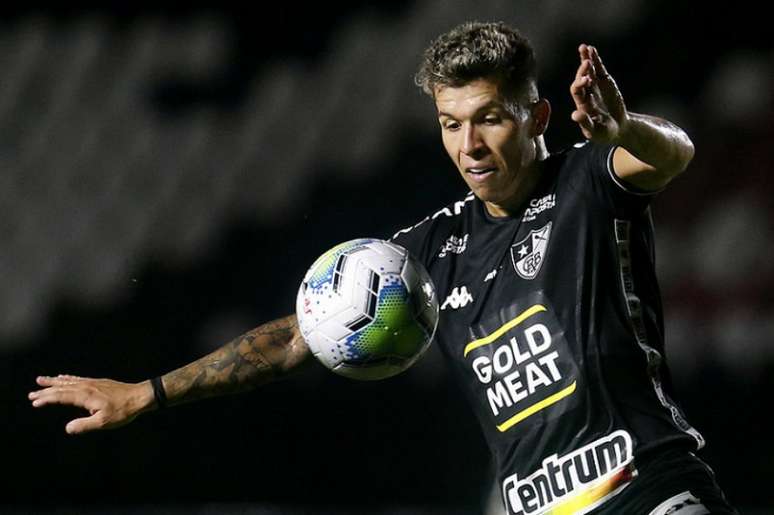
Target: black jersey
point(551, 319)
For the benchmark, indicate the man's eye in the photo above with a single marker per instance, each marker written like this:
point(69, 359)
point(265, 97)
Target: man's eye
point(451, 126)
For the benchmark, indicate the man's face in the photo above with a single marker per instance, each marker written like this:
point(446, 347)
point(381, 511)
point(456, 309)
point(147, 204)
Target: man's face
point(494, 150)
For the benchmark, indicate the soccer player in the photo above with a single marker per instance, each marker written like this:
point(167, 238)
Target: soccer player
point(551, 317)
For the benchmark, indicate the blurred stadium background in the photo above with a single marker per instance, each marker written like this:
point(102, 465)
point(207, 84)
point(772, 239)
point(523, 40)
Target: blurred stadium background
point(167, 175)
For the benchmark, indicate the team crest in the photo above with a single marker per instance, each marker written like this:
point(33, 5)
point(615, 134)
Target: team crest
point(528, 254)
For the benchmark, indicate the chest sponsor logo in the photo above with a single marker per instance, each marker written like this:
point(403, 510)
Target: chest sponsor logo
point(537, 206)
point(528, 254)
point(525, 369)
point(458, 298)
point(454, 245)
point(575, 482)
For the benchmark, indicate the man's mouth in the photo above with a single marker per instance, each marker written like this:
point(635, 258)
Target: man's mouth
point(481, 173)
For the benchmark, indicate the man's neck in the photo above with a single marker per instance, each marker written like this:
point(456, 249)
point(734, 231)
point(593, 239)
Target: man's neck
point(513, 204)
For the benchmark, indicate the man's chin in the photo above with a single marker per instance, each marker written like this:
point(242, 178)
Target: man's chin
point(486, 195)
point(495, 201)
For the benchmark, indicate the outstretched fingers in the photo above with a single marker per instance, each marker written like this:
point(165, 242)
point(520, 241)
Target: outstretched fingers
point(584, 90)
point(109, 403)
point(71, 391)
point(599, 107)
point(599, 68)
point(583, 81)
point(61, 379)
point(583, 96)
point(63, 394)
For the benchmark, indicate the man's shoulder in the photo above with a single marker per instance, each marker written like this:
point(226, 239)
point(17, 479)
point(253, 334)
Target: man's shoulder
point(575, 151)
point(584, 152)
point(570, 162)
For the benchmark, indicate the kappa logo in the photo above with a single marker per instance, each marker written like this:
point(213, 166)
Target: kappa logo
point(454, 245)
point(458, 298)
point(537, 206)
point(528, 254)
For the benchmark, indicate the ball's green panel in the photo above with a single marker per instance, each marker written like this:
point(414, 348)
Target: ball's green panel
point(394, 331)
point(322, 269)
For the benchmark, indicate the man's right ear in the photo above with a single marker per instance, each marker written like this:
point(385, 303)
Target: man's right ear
point(541, 113)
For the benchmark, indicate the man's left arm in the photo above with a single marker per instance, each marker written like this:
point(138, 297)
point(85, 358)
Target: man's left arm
point(651, 151)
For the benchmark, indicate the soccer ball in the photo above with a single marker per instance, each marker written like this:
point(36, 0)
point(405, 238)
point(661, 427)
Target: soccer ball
point(367, 309)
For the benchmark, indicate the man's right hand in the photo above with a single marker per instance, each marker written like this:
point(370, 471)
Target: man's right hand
point(272, 350)
point(110, 404)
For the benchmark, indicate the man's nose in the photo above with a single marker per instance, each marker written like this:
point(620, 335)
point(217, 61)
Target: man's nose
point(471, 140)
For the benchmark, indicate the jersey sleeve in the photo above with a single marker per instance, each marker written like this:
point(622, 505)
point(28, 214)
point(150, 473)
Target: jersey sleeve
point(592, 172)
point(416, 240)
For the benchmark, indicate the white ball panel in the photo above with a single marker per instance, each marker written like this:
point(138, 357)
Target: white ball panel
point(330, 353)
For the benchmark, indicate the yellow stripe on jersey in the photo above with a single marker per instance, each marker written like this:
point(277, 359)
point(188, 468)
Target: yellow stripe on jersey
point(592, 495)
point(475, 344)
point(552, 399)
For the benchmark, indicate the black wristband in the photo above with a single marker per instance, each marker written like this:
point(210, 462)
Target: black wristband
point(159, 393)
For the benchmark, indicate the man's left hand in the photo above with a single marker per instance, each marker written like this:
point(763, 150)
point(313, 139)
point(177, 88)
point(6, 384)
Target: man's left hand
point(599, 106)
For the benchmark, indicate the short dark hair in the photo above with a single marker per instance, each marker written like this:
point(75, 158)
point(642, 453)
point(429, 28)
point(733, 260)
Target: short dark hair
point(476, 50)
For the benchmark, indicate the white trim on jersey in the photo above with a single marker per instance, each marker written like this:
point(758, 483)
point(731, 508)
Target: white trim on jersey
point(684, 503)
point(454, 209)
point(622, 184)
point(634, 309)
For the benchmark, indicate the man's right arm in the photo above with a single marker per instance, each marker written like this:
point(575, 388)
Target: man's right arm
point(259, 356)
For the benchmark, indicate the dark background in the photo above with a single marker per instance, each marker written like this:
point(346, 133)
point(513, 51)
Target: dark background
point(122, 281)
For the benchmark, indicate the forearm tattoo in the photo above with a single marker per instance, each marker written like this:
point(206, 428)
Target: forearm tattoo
point(255, 358)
